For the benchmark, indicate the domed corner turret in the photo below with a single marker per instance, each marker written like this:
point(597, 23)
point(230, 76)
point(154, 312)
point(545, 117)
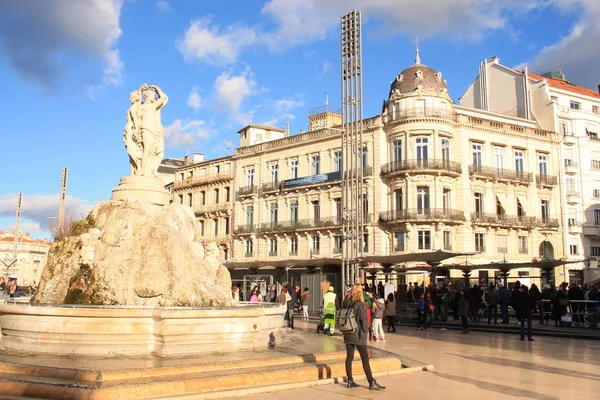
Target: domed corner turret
point(418, 79)
point(418, 91)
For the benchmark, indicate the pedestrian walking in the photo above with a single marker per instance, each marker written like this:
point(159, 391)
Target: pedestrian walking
point(357, 340)
point(492, 301)
point(390, 312)
point(329, 308)
point(421, 305)
point(524, 307)
point(378, 310)
point(304, 298)
point(504, 301)
point(463, 311)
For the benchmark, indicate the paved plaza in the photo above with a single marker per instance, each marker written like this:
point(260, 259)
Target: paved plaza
point(477, 366)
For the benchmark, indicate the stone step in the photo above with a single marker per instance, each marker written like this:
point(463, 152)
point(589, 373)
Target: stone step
point(206, 379)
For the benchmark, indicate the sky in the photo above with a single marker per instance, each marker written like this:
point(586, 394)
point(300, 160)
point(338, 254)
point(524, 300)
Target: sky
point(67, 68)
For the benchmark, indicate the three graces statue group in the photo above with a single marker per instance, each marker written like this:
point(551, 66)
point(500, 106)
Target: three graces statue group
point(143, 135)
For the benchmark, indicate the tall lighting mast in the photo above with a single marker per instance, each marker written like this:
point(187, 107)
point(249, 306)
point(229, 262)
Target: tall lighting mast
point(352, 147)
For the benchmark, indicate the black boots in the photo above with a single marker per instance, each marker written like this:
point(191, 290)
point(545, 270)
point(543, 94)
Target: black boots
point(375, 386)
point(351, 384)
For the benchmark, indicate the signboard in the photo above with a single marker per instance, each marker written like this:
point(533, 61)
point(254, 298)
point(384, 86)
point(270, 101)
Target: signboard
point(312, 179)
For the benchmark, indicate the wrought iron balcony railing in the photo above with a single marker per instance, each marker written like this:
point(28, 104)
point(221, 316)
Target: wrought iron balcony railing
point(245, 228)
point(503, 220)
point(420, 166)
point(500, 174)
point(546, 180)
point(222, 176)
point(547, 223)
point(427, 112)
point(425, 214)
point(247, 190)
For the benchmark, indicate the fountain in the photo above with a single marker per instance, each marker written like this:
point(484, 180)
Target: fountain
point(132, 294)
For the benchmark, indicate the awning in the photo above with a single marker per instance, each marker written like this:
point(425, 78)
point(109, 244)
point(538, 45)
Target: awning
point(524, 203)
point(429, 257)
point(503, 201)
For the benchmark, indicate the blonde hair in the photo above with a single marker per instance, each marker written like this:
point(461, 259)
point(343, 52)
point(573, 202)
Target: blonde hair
point(356, 293)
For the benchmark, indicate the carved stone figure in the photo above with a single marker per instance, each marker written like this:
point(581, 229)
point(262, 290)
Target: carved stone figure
point(143, 135)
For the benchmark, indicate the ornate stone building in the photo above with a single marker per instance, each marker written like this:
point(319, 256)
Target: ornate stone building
point(207, 187)
point(437, 176)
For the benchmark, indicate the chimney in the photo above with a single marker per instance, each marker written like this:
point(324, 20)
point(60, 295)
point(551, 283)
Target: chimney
point(198, 157)
point(287, 126)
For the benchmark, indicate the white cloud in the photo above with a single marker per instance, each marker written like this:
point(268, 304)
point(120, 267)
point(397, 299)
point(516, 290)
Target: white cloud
point(194, 99)
point(41, 40)
point(163, 6)
point(324, 68)
point(207, 42)
point(283, 105)
point(185, 133)
point(37, 208)
point(576, 51)
point(231, 90)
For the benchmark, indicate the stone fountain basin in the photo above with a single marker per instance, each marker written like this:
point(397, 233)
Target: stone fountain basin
point(134, 331)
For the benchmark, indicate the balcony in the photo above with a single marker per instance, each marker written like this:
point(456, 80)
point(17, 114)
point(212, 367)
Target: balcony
point(337, 250)
point(569, 139)
point(220, 239)
point(423, 215)
point(402, 114)
point(273, 253)
point(503, 220)
point(203, 179)
point(547, 223)
point(573, 198)
point(271, 187)
point(300, 224)
point(592, 230)
point(315, 252)
point(436, 166)
point(245, 229)
point(571, 168)
point(500, 174)
point(293, 253)
point(247, 190)
point(575, 227)
point(546, 180)
point(479, 248)
point(213, 208)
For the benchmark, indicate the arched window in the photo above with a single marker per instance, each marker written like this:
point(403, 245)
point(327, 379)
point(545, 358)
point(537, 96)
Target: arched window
point(546, 250)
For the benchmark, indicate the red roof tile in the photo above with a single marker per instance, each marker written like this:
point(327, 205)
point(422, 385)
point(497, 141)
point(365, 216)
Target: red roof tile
point(564, 85)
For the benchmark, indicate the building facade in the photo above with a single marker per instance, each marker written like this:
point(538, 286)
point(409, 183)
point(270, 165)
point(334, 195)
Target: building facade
point(206, 186)
point(572, 111)
point(31, 257)
point(437, 176)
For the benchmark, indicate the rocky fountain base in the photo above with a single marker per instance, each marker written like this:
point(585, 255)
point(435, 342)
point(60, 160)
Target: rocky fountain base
point(133, 279)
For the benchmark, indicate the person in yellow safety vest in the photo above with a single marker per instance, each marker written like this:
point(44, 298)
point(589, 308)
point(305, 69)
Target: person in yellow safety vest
point(329, 301)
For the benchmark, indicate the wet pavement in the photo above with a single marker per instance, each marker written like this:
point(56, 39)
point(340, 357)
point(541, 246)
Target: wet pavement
point(480, 365)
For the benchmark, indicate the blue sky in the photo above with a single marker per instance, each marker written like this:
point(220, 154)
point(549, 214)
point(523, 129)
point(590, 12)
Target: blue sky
point(67, 67)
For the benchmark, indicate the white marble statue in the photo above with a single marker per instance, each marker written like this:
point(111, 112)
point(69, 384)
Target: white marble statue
point(143, 135)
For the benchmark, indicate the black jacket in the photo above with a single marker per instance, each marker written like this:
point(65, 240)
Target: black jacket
point(523, 304)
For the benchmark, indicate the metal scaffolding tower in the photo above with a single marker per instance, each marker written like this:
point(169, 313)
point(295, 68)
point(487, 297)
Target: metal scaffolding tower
point(62, 198)
point(352, 147)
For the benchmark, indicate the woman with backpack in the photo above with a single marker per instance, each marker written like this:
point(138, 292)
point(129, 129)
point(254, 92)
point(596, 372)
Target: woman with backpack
point(356, 338)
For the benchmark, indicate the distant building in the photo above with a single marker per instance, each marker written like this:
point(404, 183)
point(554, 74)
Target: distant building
point(207, 187)
point(573, 111)
point(168, 167)
point(31, 257)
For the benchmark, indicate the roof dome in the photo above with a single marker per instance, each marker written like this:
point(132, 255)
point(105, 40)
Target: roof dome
point(418, 77)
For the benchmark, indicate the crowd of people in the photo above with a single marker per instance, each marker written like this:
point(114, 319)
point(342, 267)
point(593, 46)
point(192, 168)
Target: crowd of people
point(9, 287)
point(436, 302)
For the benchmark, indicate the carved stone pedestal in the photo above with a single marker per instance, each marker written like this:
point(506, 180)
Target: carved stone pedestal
point(142, 188)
